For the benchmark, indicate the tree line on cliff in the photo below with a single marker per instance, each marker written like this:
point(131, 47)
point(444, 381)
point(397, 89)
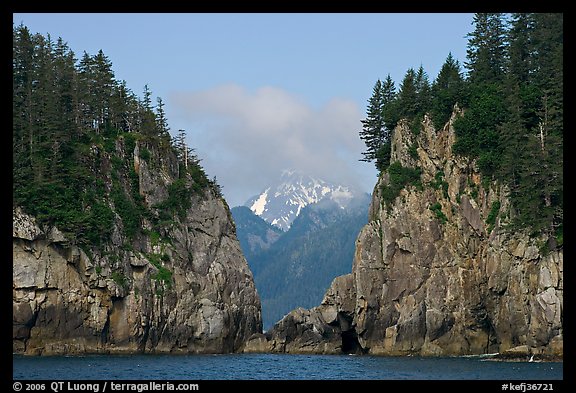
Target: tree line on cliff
point(75, 128)
point(512, 96)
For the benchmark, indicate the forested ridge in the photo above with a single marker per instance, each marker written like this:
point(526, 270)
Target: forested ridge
point(512, 98)
point(75, 128)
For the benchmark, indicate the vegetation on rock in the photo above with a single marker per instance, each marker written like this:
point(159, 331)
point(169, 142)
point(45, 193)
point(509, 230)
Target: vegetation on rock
point(79, 137)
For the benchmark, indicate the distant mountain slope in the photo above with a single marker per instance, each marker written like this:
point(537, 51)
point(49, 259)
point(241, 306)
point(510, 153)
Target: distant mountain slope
point(280, 203)
point(298, 268)
point(255, 234)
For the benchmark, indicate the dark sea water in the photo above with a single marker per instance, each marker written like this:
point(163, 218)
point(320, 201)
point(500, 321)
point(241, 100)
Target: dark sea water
point(275, 367)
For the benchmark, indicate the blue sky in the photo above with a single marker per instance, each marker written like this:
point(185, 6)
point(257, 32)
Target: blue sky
point(258, 93)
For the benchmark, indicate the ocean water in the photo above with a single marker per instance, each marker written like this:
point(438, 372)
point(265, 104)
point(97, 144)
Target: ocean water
point(277, 367)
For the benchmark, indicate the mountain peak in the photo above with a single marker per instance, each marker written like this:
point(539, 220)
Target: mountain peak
point(280, 203)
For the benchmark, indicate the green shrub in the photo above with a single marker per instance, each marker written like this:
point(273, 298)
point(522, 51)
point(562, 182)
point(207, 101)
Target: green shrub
point(439, 182)
point(129, 214)
point(491, 219)
point(117, 162)
point(154, 238)
point(129, 142)
point(145, 154)
point(164, 275)
point(383, 156)
point(436, 208)
point(413, 151)
point(400, 177)
point(416, 126)
point(178, 200)
point(120, 279)
point(559, 234)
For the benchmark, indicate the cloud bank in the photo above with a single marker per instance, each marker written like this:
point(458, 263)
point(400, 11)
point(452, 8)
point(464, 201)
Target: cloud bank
point(247, 138)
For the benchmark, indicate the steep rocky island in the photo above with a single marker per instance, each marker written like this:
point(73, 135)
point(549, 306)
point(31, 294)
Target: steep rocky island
point(121, 243)
point(436, 272)
point(181, 285)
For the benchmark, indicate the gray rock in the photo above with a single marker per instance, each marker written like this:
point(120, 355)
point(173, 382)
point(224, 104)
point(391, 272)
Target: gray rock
point(471, 213)
point(257, 343)
point(24, 226)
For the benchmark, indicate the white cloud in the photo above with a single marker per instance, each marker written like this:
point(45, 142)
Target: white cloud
point(247, 138)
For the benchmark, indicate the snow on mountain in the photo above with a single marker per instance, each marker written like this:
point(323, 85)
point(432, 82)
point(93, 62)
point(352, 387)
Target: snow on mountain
point(282, 202)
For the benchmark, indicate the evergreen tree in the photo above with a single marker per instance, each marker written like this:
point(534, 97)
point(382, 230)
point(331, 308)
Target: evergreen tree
point(521, 48)
point(548, 45)
point(447, 90)
point(146, 99)
point(119, 108)
point(125, 109)
point(104, 84)
point(390, 118)
point(44, 107)
point(86, 111)
point(22, 114)
point(163, 129)
point(423, 94)
point(486, 50)
point(65, 92)
point(408, 96)
point(478, 133)
point(373, 128)
point(147, 117)
point(389, 99)
point(22, 82)
point(182, 150)
point(549, 68)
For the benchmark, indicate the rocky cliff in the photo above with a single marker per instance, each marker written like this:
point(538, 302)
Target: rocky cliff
point(177, 282)
point(436, 270)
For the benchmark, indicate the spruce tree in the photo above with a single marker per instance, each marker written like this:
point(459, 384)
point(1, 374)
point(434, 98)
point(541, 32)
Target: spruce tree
point(373, 127)
point(87, 105)
point(389, 96)
point(147, 121)
point(423, 94)
point(103, 87)
point(22, 90)
point(161, 121)
point(521, 48)
point(390, 118)
point(486, 51)
point(447, 90)
point(408, 96)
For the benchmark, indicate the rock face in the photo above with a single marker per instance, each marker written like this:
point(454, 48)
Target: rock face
point(432, 274)
point(185, 289)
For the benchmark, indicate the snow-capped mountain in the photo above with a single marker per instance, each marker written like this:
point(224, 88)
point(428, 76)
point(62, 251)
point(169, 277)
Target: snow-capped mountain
point(281, 203)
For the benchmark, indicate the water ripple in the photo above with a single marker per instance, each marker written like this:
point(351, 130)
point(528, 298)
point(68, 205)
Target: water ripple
point(276, 367)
